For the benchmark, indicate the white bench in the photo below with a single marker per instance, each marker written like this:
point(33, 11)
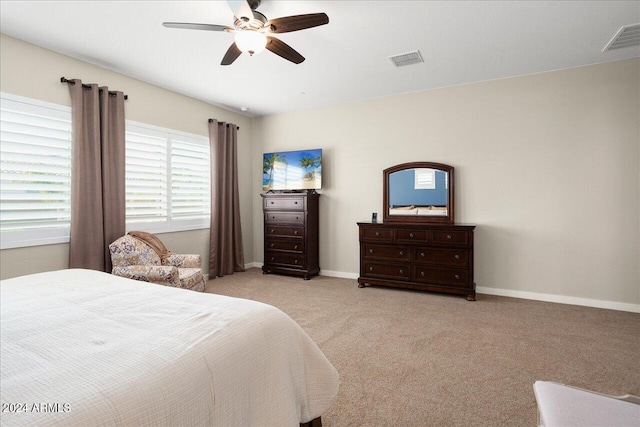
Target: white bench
point(562, 405)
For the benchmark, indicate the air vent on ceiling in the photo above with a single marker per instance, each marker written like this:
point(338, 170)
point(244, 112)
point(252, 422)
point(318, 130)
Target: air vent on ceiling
point(406, 59)
point(627, 36)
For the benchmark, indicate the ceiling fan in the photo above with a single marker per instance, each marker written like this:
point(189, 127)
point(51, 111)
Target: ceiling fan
point(253, 31)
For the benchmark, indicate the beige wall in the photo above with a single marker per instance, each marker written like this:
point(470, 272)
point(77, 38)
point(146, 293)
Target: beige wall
point(33, 72)
point(546, 165)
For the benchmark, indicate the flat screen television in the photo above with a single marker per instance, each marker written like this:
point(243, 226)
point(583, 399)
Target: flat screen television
point(292, 170)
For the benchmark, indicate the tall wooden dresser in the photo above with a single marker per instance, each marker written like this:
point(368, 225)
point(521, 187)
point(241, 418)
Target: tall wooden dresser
point(291, 234)
point(433, 257)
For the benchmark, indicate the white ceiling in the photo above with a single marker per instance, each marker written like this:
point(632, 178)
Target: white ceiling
point(346, 60)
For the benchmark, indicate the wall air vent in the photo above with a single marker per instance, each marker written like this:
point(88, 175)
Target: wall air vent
point(406, 59)
point(627, 36)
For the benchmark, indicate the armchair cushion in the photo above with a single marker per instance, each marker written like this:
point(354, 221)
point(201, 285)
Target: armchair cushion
point(160, 274)
point(129, 251)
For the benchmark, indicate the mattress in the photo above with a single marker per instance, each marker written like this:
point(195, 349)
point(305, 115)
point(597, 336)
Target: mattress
point(80, 347)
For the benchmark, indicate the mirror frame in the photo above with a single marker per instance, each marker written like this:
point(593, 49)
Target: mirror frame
point(449, 219)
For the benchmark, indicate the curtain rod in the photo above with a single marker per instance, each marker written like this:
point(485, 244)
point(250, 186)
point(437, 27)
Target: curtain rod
point(211, 121)
point(71, 82)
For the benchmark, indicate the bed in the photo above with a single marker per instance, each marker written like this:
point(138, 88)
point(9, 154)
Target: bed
point(80, 347)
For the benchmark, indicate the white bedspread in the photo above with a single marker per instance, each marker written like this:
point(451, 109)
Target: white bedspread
point(85, 348)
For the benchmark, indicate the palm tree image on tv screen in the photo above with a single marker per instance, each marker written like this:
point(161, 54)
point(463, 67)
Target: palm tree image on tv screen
point(292, 170)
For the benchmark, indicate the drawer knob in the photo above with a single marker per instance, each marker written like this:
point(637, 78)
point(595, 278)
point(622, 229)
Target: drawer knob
point(401, 253)
point(422, 254)
point(422, 273)
point(457, 256)
point(370, 268)
point(411, 235)
point(271, 202)
point(295, 247)
point(295, 232)
point(401, 272)
point(273, 259)
point(297, 217)
point(273, 217)
point(273, 231)
point(377, 234)
point(449, 236)
point(273, 245)
point(295, 203)
point(457, 276)
point(370, 251)
point(295, 262)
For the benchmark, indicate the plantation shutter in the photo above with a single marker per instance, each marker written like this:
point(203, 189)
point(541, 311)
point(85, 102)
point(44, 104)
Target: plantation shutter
point(35, 181)
point(146, 178)
point(190, 182)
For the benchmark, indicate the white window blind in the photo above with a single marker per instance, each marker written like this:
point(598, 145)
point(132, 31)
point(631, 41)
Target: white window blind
point(168, 179)
point(35, 181)
point(167, 175)
point(425, 179)
point(146, 176)
point(190, 179)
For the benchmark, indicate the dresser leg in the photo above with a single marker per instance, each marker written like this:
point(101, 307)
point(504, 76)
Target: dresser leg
point(361, 285)
point(471, 297)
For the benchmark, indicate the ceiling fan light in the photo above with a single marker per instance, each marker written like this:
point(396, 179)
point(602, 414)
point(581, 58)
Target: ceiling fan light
point(251, 42)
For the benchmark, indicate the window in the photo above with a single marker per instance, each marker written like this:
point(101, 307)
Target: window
point(167, 175)
point(168, 185)
point(425, 179)
point(35, 182)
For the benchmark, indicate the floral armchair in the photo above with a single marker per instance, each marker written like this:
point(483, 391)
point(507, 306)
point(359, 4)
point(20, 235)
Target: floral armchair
point(133, 258)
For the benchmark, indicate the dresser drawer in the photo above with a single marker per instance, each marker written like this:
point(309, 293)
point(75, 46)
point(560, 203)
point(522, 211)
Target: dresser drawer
point(399, 253)
point(377, 233)
point(458, 257)
point(411, 236)
point(397, 271)
point(285, 259)
point(275, 231)
point(286, 204)
point(284, 217)
point(285, 245)
point(458, 277)
point(445, 237)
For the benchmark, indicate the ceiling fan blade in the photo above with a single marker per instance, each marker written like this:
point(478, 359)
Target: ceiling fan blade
point(297, 22)
point(282, 49)
point(191, 26)
point(232, 54)
point(241, 9)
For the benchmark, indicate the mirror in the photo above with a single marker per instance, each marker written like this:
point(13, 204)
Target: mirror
point(418, 192)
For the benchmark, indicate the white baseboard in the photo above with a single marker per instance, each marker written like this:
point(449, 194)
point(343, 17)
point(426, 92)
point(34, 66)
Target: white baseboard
point(587, 302)
point(561, 299)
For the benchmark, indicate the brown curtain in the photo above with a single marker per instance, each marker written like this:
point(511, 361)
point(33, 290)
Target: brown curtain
point(97, 174)
point(226, 254)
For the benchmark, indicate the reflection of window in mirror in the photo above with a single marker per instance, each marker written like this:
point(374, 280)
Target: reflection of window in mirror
point(425, 179)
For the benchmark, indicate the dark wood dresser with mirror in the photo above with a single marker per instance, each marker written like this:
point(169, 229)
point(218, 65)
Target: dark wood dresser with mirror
point(291, 234)
point(418, 245)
